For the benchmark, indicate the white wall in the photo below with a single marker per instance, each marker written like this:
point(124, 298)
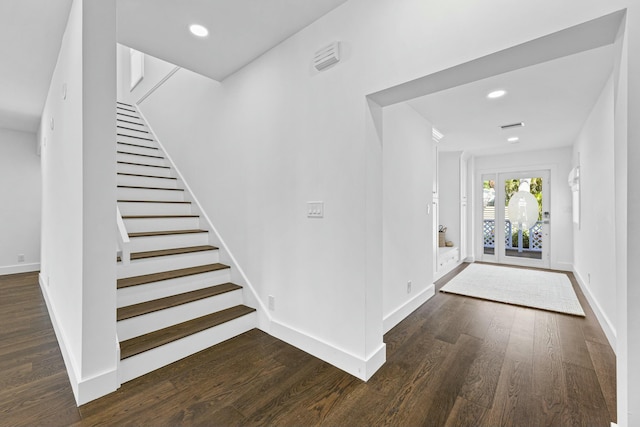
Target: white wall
point(407, 248)
point(155, 70)
point(20, 193)
point(559, 163)
point(594, 243)
point(277, 134)
point(449, 194)
point(77, 134)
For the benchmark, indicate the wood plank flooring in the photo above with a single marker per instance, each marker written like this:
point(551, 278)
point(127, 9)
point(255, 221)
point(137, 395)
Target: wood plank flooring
point(455, 361)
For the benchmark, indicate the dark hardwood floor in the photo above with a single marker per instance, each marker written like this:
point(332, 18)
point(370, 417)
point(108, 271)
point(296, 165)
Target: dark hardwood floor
point(455, 361)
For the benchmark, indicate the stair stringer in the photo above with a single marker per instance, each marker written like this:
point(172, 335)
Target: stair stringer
point(238, 275)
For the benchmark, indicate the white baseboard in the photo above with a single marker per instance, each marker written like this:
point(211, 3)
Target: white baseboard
point(19, 268)
point(562, 266)
point(605, 323)
point(84, 389)
point(400, 313)
point(359, 367)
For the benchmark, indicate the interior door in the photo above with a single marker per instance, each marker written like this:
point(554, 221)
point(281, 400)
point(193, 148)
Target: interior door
point(516, 218)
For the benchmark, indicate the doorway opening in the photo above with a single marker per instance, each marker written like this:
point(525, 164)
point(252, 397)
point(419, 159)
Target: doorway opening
point(515, 218)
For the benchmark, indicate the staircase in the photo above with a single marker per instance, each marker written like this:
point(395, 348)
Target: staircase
point(174, 297)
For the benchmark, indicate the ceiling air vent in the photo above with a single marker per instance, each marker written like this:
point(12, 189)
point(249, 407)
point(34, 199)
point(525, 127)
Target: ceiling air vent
point(512, 125)
point(327, 56)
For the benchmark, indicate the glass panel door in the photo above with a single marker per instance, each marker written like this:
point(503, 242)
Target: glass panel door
point(489, 217)
point(523, 201)
point(515, 218)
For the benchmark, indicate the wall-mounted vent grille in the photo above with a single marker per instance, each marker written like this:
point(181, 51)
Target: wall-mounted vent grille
point(436, 135)
point(512, 125)
point(327, 56)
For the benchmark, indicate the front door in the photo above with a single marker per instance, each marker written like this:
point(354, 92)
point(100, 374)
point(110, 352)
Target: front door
point(515, 218)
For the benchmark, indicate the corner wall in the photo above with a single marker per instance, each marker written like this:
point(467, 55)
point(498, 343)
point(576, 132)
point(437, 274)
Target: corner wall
point(77, 131)
point(20, 193)
point(407, 248)
point(594, 242)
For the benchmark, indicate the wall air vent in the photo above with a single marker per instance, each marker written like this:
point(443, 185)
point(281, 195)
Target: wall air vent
point(512, 125)
point(327, 56)
point(436, 135)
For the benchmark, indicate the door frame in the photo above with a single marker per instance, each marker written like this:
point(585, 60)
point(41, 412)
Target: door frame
point(499, 256)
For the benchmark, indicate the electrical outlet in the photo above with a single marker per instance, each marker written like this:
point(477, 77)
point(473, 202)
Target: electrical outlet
point(272, 303)
point(20, 257)
point(409, 287)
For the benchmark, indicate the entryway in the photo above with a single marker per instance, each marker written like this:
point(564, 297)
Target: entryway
point(515, 218)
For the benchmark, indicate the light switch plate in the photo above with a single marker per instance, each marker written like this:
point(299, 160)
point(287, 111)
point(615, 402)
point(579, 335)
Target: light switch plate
point(315, 209)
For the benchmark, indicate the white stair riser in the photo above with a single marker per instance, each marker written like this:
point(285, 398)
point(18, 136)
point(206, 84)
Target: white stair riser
point(150, 194)
point(141, 325)
point(135, 139)
point(141, 267)
point(143, 170)
point(140, 208)
point(139, 150)
point(151, 360)
point(132, 158)
point(171, 241)
point(145, 181)
point(161, 224)
point(165, 288)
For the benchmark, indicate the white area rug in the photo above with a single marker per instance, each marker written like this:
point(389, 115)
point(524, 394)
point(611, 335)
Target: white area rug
point(529, 288)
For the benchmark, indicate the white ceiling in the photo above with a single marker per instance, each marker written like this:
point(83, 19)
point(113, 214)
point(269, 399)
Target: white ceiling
point(30, 36)
point(239, 30)
point(553, 99)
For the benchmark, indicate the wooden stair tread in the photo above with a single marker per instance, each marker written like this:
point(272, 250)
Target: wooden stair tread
point(167, 252)
point(155, 339)
point(136, 137)
point(174, 301)
point(127, 115)
point(176, 251)
point(137, 145)
point(150, 188)
point(138, 154)
point(147, 176)
point(166, 233)
point(159, 216)
point(125, 109)
point(151, 201)
point(167, 275)
point(142, 164)
point(135, 130)
point(127, 121)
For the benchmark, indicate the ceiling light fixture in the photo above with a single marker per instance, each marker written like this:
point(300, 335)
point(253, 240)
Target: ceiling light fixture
point(497, 94)
point(513, 139)
point(198, 30)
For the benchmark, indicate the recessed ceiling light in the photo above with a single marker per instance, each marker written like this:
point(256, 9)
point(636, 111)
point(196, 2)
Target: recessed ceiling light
point(496, 94)
point(513, 139)
point(198, 30)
